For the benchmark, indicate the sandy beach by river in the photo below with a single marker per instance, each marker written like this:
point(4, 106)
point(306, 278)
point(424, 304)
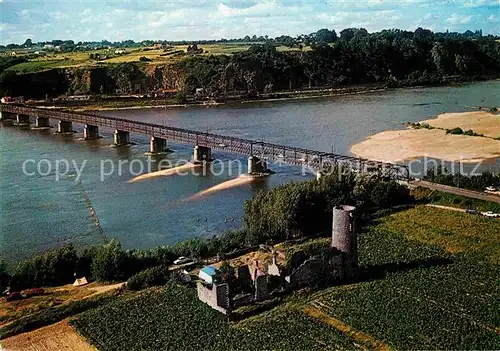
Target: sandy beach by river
point(398, 145)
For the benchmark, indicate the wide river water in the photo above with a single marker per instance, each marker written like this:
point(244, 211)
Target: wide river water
point(39, 212)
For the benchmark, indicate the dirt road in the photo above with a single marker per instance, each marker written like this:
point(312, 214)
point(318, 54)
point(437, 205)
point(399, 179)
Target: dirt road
point(446, 208)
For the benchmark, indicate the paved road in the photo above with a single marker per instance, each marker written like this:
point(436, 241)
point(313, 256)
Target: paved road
point(457, 191)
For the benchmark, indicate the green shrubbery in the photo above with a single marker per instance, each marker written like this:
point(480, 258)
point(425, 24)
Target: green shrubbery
point(303, 209)
point(455, 131)
point(4, 277)
point(459, 131)
point(476, 182)
point(54, 267)
point(106, 263)
point(419, 125)
point(150, 277)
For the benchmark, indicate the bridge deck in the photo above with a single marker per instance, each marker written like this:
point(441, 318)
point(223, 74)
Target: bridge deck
point(316, 160)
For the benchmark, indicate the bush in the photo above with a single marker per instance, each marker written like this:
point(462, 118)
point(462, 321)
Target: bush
point(388, 194)
point(149, 277)
point(470, 132)
point(456, 131)
point(181, 97)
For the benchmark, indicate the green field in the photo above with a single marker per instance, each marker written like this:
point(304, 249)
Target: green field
point(52, 60)
point(455, 231)
point(445, 199)
point(413, 292)
point(425, 297)
point(172, 318)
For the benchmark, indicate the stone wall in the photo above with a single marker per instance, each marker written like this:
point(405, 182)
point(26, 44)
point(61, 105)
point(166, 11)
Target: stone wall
point(315, 271)
point(261, 291)
point(216, 296)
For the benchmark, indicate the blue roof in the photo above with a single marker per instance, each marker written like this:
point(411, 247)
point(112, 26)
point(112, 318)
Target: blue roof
point(210, 270)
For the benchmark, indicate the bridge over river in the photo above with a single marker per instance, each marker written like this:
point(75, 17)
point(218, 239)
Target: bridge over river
point(259, 152)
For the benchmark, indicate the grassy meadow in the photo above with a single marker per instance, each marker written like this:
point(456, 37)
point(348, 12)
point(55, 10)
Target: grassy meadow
point(52, 60)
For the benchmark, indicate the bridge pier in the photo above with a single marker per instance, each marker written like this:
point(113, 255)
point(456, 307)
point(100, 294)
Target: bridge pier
point(257, 166)
point(42, 122)
point(4, 115)
point(64, 127)
point(121, 138)
point(90, 132)
point(22, 119)
point(158, 146)
point(202, 154)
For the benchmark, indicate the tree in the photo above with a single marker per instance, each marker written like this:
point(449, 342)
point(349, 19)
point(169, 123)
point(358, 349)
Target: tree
point(54, 267)
point(28, 43)
point(442, 58)
point(388, 194)
point(326, 36)
point(424, 35)
point(4, 277)
point(108, 262)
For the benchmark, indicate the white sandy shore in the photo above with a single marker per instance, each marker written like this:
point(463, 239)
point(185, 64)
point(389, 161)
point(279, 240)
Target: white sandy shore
point(481, 122)
point(398, 145)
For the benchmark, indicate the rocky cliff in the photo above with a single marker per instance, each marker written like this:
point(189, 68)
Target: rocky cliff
point(126, 78)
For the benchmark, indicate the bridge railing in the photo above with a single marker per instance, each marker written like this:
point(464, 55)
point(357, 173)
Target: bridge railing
point(274, 152)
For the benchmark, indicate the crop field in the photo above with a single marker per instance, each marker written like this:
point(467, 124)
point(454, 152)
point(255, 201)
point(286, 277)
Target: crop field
point(455, 231)
point(43, 65)
point(420, 286)
point(416, 294)
point(172, 318)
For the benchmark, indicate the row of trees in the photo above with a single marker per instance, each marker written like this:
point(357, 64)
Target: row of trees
point(107, 262)
point(324, 35)
point(441, 175)
point(394, 57)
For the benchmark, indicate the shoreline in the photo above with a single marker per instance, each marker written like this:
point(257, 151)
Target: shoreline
point(409, 144)
point(297, 95)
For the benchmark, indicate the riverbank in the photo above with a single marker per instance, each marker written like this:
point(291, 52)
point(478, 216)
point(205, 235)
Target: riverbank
point(111, 104)
point(131, 103)
point(399, 145)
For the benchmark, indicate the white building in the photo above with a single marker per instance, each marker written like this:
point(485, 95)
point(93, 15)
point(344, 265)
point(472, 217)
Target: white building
point(207, 274)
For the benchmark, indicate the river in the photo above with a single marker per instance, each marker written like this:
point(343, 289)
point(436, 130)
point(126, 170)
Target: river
point(38, 212)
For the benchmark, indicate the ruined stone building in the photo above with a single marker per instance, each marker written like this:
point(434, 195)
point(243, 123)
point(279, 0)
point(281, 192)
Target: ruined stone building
point(337, 263)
